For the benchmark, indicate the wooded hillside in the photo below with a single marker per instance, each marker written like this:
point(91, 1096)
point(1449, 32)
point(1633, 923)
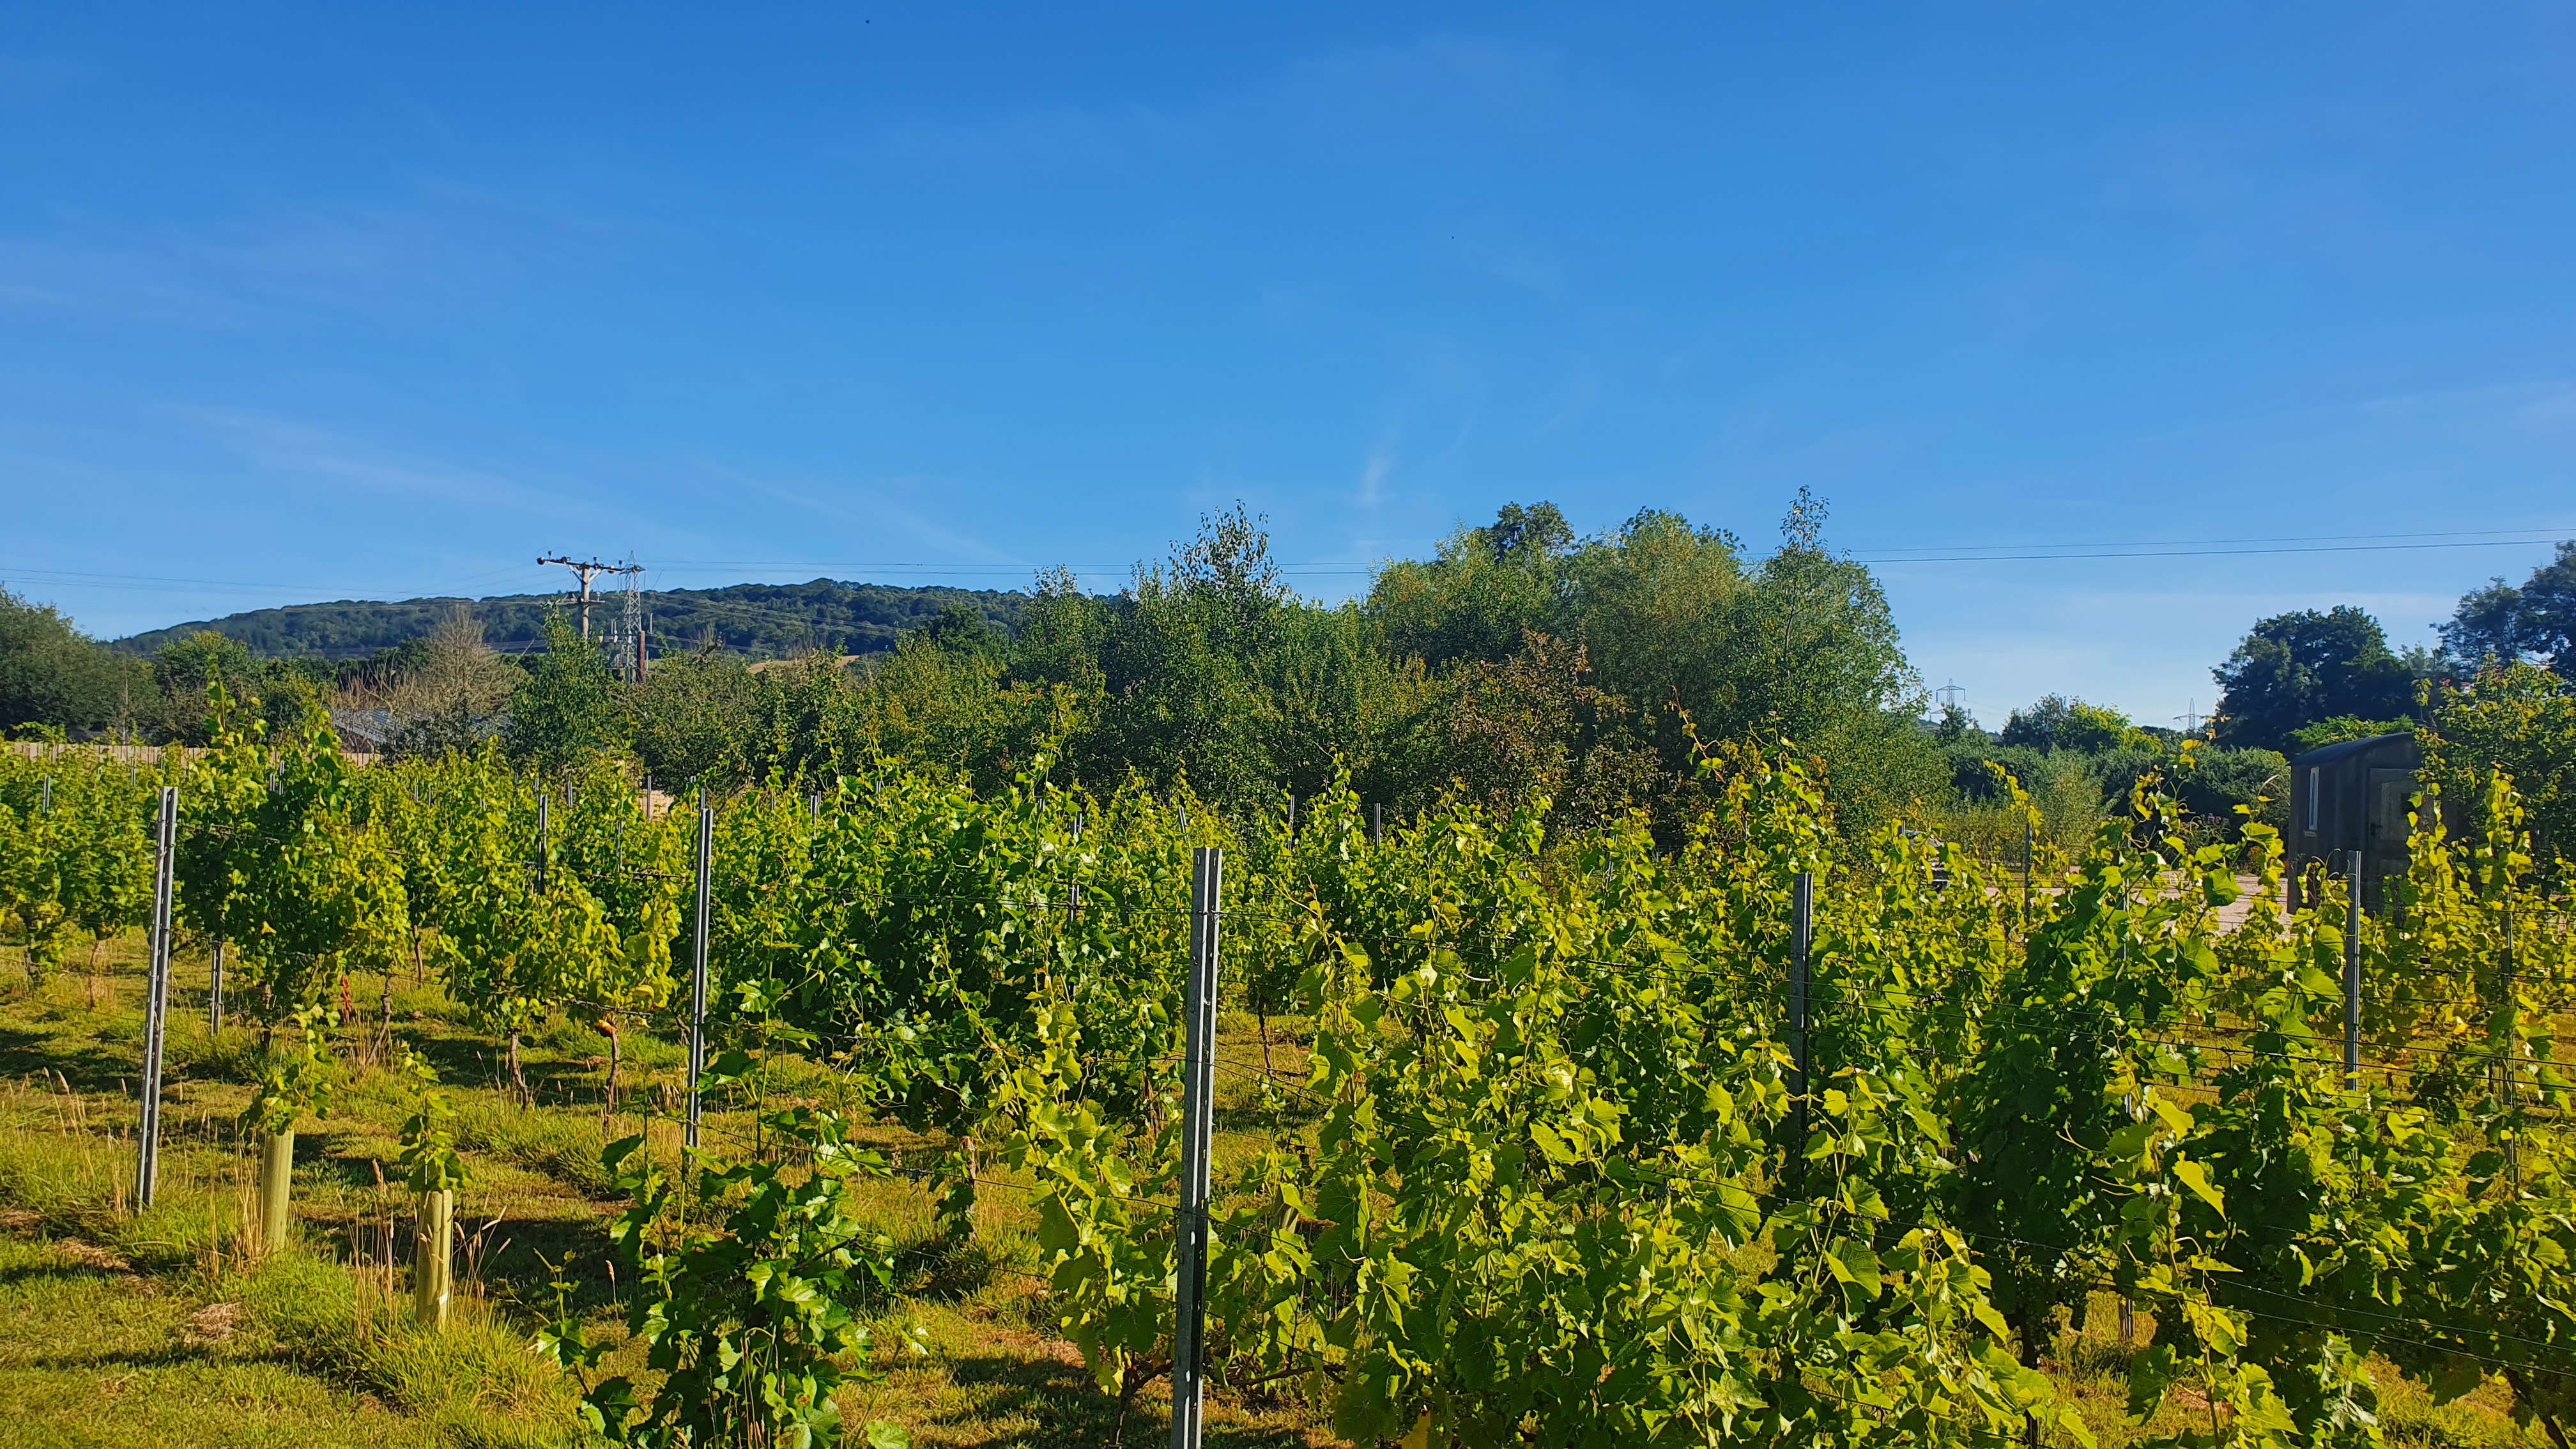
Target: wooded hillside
point(759, 621)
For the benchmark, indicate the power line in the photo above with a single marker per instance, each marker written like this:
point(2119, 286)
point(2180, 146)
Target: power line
point(2472, 533)
point(160, 582)
point(1987, 552)
point(1917, 554)
point(2116, 552)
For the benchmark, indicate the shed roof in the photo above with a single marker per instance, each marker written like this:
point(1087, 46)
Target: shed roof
point(2348, 748)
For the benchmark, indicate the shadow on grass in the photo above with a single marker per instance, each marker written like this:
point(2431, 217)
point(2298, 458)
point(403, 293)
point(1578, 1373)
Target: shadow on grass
point(175, 1355)
point(460, 1061)
point(1063, 1408)
point(1288, 1110)
point(60, 1273)
point(518, 1256)
point(89, 1065)
point(948, 1270)
point(1058, 1401)
point(475, 1062)
point(515, 1267)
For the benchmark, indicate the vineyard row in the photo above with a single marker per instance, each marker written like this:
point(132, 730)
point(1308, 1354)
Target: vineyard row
point(1764, 1135)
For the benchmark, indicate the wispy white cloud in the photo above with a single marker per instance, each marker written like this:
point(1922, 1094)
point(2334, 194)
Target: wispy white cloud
point(291, 450)
point(1374, 471)
point(125, 282)
point(867, 508)
point(426, 248)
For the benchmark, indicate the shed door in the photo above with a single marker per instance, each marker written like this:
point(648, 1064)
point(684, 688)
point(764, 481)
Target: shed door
point(2388, 823)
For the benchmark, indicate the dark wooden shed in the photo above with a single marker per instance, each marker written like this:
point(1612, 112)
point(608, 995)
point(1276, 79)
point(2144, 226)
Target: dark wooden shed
point(2353, 797)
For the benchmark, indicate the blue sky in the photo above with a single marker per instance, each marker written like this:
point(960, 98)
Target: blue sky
point(377, 301)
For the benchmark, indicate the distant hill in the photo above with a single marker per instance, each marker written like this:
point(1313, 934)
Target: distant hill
point(762, 621)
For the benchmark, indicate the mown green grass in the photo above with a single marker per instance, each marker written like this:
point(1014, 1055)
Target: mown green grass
point(125, 1326)
point(121, 1326)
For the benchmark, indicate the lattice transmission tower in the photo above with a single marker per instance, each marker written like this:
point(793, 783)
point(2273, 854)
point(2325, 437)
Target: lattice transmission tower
point(630, 625)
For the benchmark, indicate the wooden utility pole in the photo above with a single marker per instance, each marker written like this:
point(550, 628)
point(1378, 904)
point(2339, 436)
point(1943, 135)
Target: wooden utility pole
point(586, 572)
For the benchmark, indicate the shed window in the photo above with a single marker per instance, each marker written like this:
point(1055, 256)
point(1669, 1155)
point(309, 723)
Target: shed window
point(2313, 773)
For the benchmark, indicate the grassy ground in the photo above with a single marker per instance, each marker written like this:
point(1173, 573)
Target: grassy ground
point(125, 1327)
point(121, 1327)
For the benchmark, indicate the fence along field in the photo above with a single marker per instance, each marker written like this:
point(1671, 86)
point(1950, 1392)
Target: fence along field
point(1766, 1136)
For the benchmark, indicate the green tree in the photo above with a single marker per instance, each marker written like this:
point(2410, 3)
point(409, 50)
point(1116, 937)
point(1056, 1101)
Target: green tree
point(2519, 719)
point(1340, 702)
point(569, 708)
point(1666, 614)
point(2237, 787)
point(2056, 722)
point(804, 718)
point(447, 693)
point(278, 856)
point(1483, 592)
point(54, 675)
point(2297, 668)
point(186, 670)
point(1536, 726)
point(1184, 668)
point(2535, 622)
point(746, 1311)
point(954, 710)
point(1814, 656)
point(692, 716)
point(1956, 726)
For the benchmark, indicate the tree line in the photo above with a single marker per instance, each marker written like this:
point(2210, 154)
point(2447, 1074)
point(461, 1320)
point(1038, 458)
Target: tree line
point(1519, 659)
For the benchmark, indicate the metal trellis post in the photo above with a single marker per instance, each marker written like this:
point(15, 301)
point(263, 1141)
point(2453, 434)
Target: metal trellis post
point(1198, 1117)
point(698, 964)
point(1377, 825)
point(2352, 978)
point(544, 845)
point(215, 990)
point(2512, 1063)
point(1802, 937)
point(156, 1011)
point(2025, 874)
